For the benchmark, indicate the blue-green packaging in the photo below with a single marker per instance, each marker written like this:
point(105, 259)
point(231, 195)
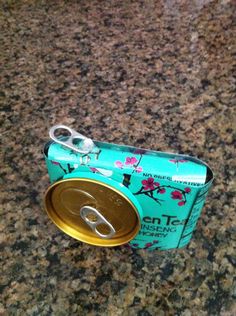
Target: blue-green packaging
point(170, 188)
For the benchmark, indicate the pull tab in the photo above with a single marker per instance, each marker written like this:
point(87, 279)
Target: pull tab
point(94, 218)
point(87, 143)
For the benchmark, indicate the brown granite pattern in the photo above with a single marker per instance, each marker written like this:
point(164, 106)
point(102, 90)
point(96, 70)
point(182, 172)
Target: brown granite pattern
point(157, 74)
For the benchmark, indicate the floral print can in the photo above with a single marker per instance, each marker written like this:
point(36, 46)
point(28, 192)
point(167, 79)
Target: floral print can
point(170, 189)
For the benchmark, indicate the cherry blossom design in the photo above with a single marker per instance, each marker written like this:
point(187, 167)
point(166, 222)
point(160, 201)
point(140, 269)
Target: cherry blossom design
point(176, 195)
point(150, 187)
point(139, 169)
point(56, 163)
point(150, 244)
point(63, 167)
point(187, 190)
point(119, 164)
point(149, 184)
point(83, 160)
point(93, 169)
point(86, 157)
point(140, 151)
point(130, 160)
point(180, 195)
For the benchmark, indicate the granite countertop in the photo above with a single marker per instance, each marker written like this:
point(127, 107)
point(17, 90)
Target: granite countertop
point(154, 74)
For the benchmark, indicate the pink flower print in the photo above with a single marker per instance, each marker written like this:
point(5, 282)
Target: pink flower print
point(181, 203)
point(130, 160)
point(176, 195)
point(139, 151)
point(162, 191)
point(149, 184)
point(139, 169)
point(55, 163)
point(93, 169)
point(187, 190)
point(148, 245)
point(119, 164)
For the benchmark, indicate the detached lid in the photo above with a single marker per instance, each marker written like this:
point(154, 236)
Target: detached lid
point(92, 211)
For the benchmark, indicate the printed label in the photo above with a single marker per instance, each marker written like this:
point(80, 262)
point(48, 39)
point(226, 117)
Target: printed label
point(179, 179)
point(159, 229)
point(168, 188)
point(193, 218)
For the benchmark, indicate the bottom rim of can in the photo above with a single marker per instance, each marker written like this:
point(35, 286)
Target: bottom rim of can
point(76, 233)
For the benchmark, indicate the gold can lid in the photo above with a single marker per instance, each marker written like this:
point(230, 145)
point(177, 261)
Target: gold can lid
point(92, 212)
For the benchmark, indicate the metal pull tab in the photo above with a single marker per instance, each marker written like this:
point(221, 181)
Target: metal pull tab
point(86, 145)
point(94, 218)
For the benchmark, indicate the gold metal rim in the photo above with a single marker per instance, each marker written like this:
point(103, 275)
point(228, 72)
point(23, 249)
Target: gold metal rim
point(58, 221)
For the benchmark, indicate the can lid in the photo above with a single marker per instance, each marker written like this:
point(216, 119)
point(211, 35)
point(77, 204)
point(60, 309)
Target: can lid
point(92, 211)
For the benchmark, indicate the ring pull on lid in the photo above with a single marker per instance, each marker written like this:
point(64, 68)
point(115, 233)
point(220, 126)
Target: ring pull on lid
point(93, 211)
point(74, 141)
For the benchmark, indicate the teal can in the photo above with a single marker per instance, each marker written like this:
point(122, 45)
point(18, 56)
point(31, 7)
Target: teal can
point(153, 198)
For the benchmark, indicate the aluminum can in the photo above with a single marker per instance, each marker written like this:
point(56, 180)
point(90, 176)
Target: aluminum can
point(107, 194)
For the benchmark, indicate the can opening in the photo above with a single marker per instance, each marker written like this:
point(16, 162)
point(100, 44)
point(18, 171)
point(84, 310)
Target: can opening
point(103, 229)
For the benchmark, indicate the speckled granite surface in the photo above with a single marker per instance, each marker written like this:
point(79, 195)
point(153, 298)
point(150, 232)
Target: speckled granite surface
point(156, 74)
